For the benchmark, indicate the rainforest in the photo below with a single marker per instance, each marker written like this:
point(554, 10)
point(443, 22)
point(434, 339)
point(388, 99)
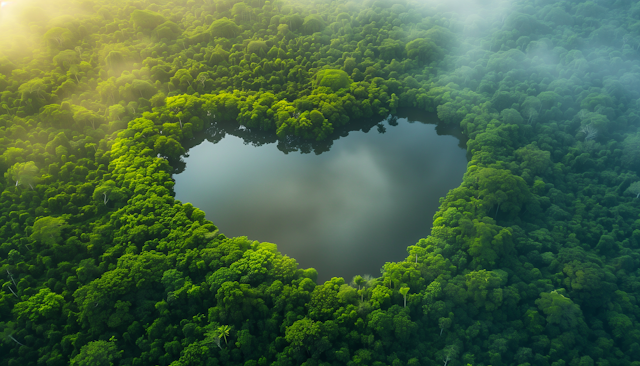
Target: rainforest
point(532, 259)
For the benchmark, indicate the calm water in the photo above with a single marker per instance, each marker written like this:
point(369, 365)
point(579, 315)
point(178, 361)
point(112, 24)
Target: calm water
point(345, 211)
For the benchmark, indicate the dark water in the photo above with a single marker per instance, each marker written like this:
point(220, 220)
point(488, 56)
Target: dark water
point(348, 208)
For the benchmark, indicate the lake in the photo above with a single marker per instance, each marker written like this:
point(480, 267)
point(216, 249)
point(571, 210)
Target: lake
point(343, 206)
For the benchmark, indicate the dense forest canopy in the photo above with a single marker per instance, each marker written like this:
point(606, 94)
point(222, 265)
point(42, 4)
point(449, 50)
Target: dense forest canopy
point(533, 260)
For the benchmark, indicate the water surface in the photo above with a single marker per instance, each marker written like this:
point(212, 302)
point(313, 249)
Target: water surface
point(345, 211)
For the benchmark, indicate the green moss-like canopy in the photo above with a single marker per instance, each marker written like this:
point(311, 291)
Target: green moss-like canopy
point(313, 23)
point(147, 19)
point(258, 47)
point(333, 78)
point(224, 28)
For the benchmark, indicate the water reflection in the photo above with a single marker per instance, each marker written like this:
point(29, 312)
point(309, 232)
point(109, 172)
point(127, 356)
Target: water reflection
point(354, 204)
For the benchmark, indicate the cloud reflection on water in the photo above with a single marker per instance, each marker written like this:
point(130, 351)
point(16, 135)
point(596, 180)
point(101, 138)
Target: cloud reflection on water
point(343, 212)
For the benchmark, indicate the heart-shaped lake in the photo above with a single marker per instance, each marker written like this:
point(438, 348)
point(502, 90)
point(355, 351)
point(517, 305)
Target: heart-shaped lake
point(346, 211)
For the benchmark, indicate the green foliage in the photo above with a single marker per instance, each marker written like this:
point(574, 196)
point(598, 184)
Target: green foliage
point(108, 191)
point(224, 28)
point(532, 260)
point(631, 151)
point(423, 50)
point(66, 58)
point(223, 331)
point(634, 189)
point(32, 88)
point(58, 38)
point(502, 189)
point(44, 304)
point(305, 334)
point(167, 30)
point(146, 19)
point(97, 353)
point(559, 310)
point(334, 79)
point(47, 230)
point(258, 47)
point(313, 23)
point(22, 173)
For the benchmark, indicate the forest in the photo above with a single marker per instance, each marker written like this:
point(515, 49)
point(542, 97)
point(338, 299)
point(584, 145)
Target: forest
point(533, 260)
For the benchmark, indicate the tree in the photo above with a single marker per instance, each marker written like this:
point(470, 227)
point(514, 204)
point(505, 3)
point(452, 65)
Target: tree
point(218, 55)
point(511, 116)
point(33, 86)
point(97, 353)
point(108, 191)
point(531, 104)
point(85, 117)
point(448, 353)
point(66, 58)
point(224, 28)
point(361, 282)
point(115, 60)
point(146, 19)
point(631, 151)
point(391, 49)
point(559, 309)
point(144, 88)
point(499, 187)
point(530, 114)
point(167, 30)
point(7, 332)
point(202, 78)
point(404, 291)
point(634, 188)
point(169, 147)
point(44, 304)
point(534, 159)
point(258, 47)
point(115, 112)
point(333, 78)
point(23, 173)
point(180, 106)
point(212, 335)
point(303, 333)
point(56, 37)
point(223, 331)
point(423, 50)
point(313, 23)
point(242, 11)
point(548, 99)
point(47, 229)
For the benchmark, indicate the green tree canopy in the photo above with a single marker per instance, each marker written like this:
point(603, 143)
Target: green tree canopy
point(58, 37)
point(167, 30)
point(44, 304)
point(423, 50)
point(333, 78)
point(501, 188)
point(559, 309)
point(97, 353)
point(313, 23)
point(32, 88)
point(23, 173)
point(147, 19)
point(224, 28)
point(108, 191)
point(66, 58)
point(634, 189)
point(47, 230)
point(258, 47)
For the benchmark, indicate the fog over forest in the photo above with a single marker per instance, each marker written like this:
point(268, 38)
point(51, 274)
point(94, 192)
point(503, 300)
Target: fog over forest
point(532, 260)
